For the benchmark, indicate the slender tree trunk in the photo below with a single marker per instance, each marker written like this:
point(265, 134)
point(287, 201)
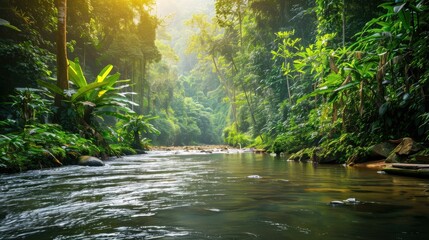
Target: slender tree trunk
point(62, 74)
point(133, 78)
point(225, 83)
point(344, 23)
point(288, 86)
point(248, 100)
point(284, 15)
point(334, 112)
point(381, 71)
point(146, 85)
point(149, 102)
point(234, 104)
point(136, 142)
point(240, 22)
point(361, 99)
point(141, 85)
point(252, 113)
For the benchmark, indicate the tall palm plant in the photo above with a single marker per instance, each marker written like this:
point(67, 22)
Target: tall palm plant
point(90, 101)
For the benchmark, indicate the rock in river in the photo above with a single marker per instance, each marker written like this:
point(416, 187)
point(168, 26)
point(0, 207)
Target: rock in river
point(348, 201)
point(90, 161)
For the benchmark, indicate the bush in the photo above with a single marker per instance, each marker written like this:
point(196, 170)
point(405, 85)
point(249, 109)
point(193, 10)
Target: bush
point(121, 149)
point(232, 137)
point(281, 144)
point(169, 131)
point(40, 146)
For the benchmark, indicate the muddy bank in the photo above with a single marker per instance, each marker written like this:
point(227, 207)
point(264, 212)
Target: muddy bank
point(377, 165)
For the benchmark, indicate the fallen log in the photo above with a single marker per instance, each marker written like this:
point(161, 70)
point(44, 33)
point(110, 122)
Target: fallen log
point(420, 173)
point(410, 166)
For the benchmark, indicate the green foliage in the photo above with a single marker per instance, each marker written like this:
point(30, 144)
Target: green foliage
point(169, 131)
point(7, 24)
point(365, 93)
point(234, 138)
point(281, 144)
point(21, 64)
point(192, 124)
point(122, 149)
point(134, 128)
point(338, 150)
point(90, 102)
point(40, 146)
point(262, 69)
point(29, 106)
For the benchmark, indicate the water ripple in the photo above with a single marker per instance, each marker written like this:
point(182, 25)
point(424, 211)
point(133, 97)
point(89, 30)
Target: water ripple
point(204, 197)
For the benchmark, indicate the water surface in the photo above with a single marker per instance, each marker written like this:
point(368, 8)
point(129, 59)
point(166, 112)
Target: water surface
point(211, 196)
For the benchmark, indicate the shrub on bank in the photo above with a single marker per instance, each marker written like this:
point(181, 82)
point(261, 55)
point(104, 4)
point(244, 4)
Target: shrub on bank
point(41, 146)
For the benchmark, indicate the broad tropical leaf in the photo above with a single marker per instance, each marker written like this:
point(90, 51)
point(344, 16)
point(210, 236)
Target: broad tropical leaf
point(51, 87)
point(111, 80)
point(76, 74)
point(7, 24)
point(104, 73)
point(86, 89)
point(347, 86)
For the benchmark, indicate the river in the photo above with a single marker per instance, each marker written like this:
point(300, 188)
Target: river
point(211, 196)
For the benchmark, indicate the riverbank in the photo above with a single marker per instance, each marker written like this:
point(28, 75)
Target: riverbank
point(376, 165)
point(200, 149)
point(192, 148)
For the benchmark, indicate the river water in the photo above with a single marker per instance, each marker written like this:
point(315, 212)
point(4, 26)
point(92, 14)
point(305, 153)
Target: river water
point(211, 196)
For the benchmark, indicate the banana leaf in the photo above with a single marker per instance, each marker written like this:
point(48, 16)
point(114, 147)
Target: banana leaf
point(86, 89)
point(76, 74)
point(51, 87)
point(104, 73)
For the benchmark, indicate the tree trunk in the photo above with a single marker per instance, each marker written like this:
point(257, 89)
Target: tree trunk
point(62, 74)
point(361, 99)
point(133, 79)
point(240, 22)
point(344, 23)
point(284, 14)
point(136, 142)
point(225, 82)
point(287, 85)
point(381, 71)
point(248, 100)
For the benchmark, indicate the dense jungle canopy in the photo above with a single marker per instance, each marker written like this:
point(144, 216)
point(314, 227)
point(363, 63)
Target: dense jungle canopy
point(329, 76)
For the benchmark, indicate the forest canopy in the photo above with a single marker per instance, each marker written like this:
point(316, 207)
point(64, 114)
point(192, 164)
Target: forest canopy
point(332, 77)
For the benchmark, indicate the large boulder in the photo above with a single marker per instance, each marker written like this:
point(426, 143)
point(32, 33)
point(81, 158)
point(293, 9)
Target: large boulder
point(395, 158)
point(90, 161)
point(405, 148)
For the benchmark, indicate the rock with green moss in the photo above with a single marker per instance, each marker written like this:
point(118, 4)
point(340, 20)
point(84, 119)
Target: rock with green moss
point(381, 150)
point(404, 150)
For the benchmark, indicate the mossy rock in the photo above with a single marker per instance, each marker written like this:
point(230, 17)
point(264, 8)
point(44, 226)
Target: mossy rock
point(381, 150)
point(90, 161)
